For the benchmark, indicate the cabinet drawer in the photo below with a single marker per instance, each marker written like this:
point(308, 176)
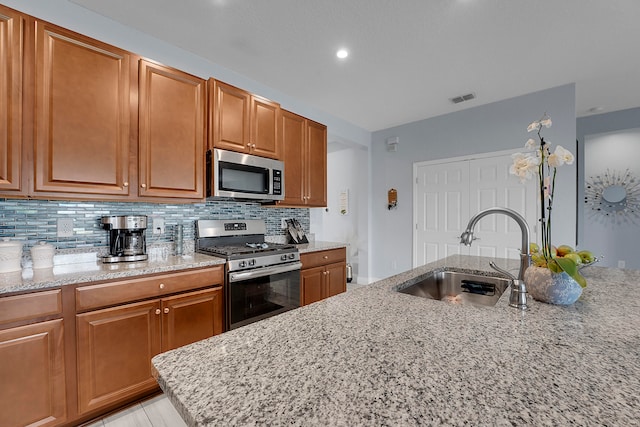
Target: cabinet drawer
point(30, 306)
point(314, 259)
point(104, 294)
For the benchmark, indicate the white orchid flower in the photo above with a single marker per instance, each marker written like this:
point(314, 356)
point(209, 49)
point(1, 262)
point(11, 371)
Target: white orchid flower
point(554, 160)
point(546, 122)
point(567, 156)
point(524, 166)
point(531, 143)
point(533, 126)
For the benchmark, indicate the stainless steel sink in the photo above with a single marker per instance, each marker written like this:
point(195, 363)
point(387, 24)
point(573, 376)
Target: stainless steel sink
point(459, 288)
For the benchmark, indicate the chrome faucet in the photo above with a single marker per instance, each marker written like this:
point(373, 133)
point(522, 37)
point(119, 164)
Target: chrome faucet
point(518, 297)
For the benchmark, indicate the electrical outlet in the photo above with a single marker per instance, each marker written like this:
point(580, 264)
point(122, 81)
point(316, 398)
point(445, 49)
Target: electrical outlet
point(158, 225)
point(283, 223)
point(65, 227)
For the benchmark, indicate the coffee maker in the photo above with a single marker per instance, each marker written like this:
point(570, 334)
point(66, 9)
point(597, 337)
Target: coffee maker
point(126, 238)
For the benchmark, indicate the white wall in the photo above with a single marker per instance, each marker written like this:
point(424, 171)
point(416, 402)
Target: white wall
point(614, 237)
point(348, 170)
point(492, 127)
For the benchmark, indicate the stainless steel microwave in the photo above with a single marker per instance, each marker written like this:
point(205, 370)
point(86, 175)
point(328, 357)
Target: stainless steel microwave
point(244, 176)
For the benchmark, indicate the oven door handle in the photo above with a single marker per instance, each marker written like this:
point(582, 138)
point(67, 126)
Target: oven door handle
point(261, 272)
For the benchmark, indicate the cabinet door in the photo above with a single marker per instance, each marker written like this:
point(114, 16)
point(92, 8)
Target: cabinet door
point(11, 53)
point(191, 317)
point(312, 283)
point(230, 127)
point(82, 114)
point(336, 279)
point(114, 351)
point(293, 138)
point(172, 133)
point(316, 170)
point(265, 128)
point(33, 376)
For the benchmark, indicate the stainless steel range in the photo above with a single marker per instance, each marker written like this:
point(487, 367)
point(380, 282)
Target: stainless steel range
point(262, 279)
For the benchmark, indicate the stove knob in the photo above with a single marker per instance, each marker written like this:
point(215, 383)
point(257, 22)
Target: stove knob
point(252, 262)
point(292, 256)
point(283, 257)
point(242, 264)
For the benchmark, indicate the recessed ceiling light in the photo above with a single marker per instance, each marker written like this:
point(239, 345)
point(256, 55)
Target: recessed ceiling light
point(342, 53)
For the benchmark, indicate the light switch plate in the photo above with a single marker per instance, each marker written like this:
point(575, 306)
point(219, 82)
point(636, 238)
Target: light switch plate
point(65, 227)
point(158, 225)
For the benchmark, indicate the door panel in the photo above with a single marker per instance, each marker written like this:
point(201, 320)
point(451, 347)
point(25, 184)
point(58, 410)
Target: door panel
point(492, 185)
point(11, 28)
point(33, 357)
point(83, 112)
point(441, 210)
point(115, 347)
point(447, 194)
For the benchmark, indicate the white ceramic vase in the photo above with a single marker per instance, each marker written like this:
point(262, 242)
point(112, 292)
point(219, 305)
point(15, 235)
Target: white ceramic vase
point(553, 288)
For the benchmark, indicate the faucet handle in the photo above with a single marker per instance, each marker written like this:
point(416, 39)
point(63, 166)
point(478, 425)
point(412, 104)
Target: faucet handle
point(502, 270)
point(518, 296)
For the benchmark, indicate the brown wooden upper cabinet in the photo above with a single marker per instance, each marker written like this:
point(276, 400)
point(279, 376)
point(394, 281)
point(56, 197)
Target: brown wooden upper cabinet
point(172, 115)
point(12, 27)
point(83, 114)
point(305, 161)
point(240, 121)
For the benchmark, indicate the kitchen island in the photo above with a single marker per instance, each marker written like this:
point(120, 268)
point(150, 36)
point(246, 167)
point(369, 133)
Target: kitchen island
point(373, 356)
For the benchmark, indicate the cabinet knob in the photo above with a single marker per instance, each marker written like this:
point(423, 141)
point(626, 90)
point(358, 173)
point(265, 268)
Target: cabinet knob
point(125, 184)
point(326, 257)
point(143, 185)
point(161, 285)
point(157, 311)
point(166, 310)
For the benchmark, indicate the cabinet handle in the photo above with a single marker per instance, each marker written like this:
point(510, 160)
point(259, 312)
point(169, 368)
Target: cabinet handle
point(143, 185)
point(161, 285)
point(157, 311)
point(125, 184)
point(326, 257)
point(166, 310)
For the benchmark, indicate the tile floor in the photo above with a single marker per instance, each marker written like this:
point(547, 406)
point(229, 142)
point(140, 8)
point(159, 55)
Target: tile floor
point(155, 412)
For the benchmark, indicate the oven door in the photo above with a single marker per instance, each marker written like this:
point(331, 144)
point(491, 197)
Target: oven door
point(264, 292)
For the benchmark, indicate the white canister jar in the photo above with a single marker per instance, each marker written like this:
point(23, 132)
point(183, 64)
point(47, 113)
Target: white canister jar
point(42, 255)
point(10, 256)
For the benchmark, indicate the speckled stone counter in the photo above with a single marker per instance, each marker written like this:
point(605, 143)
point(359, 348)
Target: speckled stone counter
point(319, 246)
point(373, 356)
point(75, 268)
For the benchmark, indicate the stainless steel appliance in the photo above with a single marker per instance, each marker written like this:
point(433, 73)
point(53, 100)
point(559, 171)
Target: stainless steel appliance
point(243, 176)
point(262, 279)
point(126, 238)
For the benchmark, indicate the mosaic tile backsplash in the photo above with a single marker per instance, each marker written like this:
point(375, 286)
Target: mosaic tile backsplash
point(31, 221)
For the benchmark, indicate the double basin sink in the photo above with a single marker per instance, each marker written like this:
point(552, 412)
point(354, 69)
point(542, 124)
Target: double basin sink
point(459, 288)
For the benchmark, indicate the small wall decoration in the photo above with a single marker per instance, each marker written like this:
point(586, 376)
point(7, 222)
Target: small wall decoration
point(392, 199)
point(613, 195)
point(344, 202)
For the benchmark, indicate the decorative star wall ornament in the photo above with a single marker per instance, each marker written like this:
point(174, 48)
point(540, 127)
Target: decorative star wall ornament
point(613, 196)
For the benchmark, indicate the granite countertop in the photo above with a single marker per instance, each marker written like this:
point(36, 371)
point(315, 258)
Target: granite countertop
point(372, 356)
point(84, 266)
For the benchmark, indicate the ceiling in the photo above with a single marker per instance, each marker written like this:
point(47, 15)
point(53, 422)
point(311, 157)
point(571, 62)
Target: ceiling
point(407, 57)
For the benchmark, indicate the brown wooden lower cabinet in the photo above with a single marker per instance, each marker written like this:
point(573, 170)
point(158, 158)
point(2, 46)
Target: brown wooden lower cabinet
point(115, 345)
point(32, 374)
point(324, 274)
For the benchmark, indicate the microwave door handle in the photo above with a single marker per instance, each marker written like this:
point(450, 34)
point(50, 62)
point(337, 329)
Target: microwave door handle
point(261, 272)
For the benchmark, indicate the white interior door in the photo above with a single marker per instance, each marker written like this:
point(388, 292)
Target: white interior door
point(447, 193)
point(441, 210)
point(499, 236)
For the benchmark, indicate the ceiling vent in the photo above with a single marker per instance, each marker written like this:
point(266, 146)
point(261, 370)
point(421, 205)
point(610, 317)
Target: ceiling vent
point(463, 98)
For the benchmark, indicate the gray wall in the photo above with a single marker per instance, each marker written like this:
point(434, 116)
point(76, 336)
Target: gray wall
point(603, 143)
point(492, 127)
